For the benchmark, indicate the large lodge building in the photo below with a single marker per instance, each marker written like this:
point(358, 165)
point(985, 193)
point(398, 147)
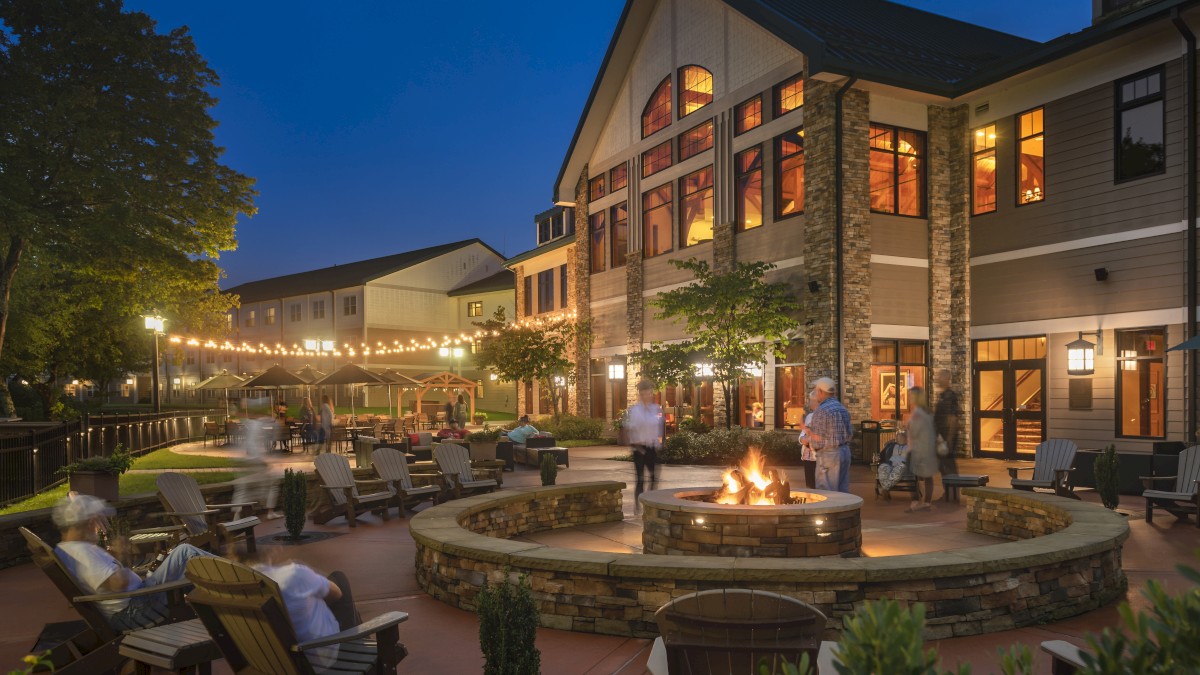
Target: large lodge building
point(941, 195)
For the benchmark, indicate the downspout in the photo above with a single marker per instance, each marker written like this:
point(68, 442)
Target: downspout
point(1189, 107)
point(838, 236)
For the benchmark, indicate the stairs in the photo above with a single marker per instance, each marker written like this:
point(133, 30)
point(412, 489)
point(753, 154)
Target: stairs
point(1029, 434)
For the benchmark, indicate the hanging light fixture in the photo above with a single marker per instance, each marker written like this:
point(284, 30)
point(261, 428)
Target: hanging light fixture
point(1081, 354)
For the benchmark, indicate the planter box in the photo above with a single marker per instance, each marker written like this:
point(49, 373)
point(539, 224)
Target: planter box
point(478, 420)
point(106, 486)
point(481, 451)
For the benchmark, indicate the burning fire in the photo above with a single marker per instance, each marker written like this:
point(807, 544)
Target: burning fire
point(751, 482)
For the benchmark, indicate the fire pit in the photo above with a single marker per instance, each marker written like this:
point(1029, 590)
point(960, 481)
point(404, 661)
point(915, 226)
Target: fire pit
point(754, 514)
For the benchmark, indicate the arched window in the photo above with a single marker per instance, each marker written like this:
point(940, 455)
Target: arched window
point(695, 89)
point(657, 114)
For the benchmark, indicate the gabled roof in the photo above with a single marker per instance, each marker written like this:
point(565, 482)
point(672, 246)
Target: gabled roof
point(500, 281)
point(544, 248)
point(344, 276)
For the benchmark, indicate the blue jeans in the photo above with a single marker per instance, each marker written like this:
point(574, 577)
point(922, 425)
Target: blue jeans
point(150, 610)
point(833, 469)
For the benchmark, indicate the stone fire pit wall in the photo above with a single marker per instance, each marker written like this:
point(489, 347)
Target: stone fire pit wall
point(1024, 582)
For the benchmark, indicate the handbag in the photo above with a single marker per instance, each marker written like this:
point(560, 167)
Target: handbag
point(943, 450)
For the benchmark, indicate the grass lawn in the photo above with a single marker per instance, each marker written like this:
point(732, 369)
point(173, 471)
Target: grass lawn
point(165, 458)
point(131, 484)
point(586, 443)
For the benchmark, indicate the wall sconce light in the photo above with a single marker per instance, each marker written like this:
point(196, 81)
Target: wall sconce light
point(1081, 354)
point(814, 286)
point(1101, 273)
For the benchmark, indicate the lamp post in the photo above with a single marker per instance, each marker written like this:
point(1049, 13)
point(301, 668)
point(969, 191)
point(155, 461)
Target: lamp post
point(155, 324)
point(455, 353)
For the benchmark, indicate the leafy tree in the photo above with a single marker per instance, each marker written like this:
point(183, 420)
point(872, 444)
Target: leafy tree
point(733, 318)
point(108, 167)
point(667, 365)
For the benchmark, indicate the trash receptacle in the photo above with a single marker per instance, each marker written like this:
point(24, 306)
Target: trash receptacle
point(870, 441)
point(364, 447)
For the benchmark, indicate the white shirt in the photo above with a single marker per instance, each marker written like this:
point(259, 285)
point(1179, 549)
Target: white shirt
point(304, 594)
point(91, 566)
point(644, 424)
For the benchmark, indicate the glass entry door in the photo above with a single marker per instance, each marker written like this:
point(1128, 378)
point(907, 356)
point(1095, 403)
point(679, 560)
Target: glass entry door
point(1008, 403)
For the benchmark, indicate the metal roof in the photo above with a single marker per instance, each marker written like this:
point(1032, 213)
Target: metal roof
point(500, 281)
point(544, 248)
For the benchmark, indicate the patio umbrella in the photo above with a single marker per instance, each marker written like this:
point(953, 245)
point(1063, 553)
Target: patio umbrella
point(223, 380)
point(397, 378)
point(1191, 343)
point(309, 374)
point(275, 377)
point(351, 374)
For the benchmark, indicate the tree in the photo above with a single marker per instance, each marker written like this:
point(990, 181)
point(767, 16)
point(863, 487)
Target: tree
point(539, 352)
point(667, 365)
point(733, 318)
point(108, 165)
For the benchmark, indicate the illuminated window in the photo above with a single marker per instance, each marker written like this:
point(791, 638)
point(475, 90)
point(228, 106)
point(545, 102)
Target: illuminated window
point(696, 207)
point(657, 114)
point(269, 317)
point(596, 220)
point(789, 174)
point(1140, 135)
point(747, 115)
point(596, 188)
point(983, 170)
point(896, 367)
point(656, 221)
point(619, 216)
point(618, 177)
point(789, 95)
point(1141, 383)
point(696, 140)
point(748, 185)
point(897, 171)
point(1031, 157)
point(695, 89)
point(656, 159)
point(475, 308)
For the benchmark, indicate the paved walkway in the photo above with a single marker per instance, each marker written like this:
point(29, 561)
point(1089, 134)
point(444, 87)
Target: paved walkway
point(378, 557)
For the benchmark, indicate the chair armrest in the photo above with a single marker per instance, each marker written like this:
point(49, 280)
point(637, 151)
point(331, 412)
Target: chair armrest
point(157, 530)
point(1012, 470)
point(337, 487)
point(181, 585)
point(232, 506)
point(362, 630)
point(206, 512)
point(370, 481)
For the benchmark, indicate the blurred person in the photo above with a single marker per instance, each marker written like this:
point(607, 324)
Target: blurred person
point(757, 415)
point(326, 432)
point(922, 445)
point(644, 430)
point(808, 456)
point(829, 434)
point(452, 431)
point(460, 413)
point(308, 420)
point(945, 420)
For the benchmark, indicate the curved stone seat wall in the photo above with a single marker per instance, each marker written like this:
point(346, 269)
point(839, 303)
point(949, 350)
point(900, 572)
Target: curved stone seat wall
point(1073, 568)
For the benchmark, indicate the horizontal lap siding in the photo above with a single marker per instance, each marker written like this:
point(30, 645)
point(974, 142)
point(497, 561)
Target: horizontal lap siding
point(771, 242)
point(899, 236)
point(899, 295)
point(609, 284)
point(658, 271)
point(609, 326)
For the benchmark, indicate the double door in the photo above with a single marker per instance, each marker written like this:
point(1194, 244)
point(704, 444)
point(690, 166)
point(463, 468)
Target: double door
point(1009, 405)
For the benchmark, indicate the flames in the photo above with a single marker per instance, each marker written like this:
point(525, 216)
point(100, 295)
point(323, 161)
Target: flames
point(751, 482)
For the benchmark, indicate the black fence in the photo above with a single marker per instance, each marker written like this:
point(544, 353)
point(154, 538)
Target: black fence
point(31, 454)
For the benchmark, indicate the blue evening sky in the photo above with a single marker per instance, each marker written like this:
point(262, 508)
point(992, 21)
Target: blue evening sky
point(375, 127)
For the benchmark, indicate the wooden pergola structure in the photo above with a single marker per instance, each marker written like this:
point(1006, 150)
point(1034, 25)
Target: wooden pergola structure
point(446, 380)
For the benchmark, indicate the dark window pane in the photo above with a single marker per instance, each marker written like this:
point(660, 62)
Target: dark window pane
point(1141, 149)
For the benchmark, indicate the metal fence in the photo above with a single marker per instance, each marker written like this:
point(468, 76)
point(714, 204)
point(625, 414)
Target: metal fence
point(31, 454)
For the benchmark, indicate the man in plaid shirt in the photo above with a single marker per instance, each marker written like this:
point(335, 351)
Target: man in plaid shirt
point(830, 433)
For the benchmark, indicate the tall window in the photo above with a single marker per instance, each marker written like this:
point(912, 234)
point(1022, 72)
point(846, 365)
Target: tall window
point(596, 222)
point(656, 159)
point(748, 186)
point(269, 318)
point(790, 391)
point(696, 207)
point(562, 286)
point(618, 177)
point(1031, 157)
point(789, 174)
point(350, 305)
point(695, 140)
point(1141, 383)
point(897, 171)
point(318, 309)
point(747, 115)
point(896, 367)
point(250, 316)
point(528, 296)
point(596, 188)
point(1140, 135)
point(983, 170)
point(619, 215)
point(475, 308)
point(295, 311)
point(789, 95)
point(657, 114)
point(546, 291)
point(695, 89)
point(656, 221)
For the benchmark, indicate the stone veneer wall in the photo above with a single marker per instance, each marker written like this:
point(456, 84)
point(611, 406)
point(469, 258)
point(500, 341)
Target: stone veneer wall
point(579, 398)
point(966, 591)
point(742, 535)
point(1011, 517)
point(634, 316)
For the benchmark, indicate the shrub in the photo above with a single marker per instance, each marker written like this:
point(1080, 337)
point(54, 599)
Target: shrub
point(294, 492)
point(886, 637)
point(572, 428)
point(508, 619)
point(488, 436)
point(781, 448)
point(694, 425)
point(549, 468)
point(116, 463)
point(1105, 469)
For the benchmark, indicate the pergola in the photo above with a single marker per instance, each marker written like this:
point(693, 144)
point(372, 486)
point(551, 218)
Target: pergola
point(446, 380)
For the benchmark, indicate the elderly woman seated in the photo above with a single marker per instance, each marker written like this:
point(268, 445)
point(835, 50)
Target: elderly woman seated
point(892, 461)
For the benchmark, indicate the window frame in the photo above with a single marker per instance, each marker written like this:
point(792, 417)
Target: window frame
point(475, 308)
point(596, 184)
point(251, 320)
point(738, 207)
point(777, 110)
point(612, 174)
point(296, 312)
point(682, 196)
point(1117, 377)
point(670, 143)
point(679, 113)
point(669, 204)
point(737, 115)
point(562, 286)
point(896, 155)
point(528, 290)
point(269, 315)
point(602, 214)
point(777, 162)
point(545, 287)
point(1017, 154)
point(349, 305)
point(612, 228)
point(666, 81)
point(975, 154)
point(1119, 107)
point(696, 153)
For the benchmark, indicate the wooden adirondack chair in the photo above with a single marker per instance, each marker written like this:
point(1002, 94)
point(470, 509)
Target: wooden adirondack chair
point(1185, 498)
point(246, 616)
point(734, 630)
point(391, 466)
point(94, 650)
point(344, 498)
point(208, 526)
point(1065, 658)
point(454, 461)
point(1053, 462)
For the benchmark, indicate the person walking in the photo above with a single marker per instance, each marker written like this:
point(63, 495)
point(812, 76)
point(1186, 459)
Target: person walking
point(326, 423)
point(945, 421)
point(808, 456)
point(829, 434)
point(922, 445)
point(308, 421)
point(460, 414)
point(643, 430)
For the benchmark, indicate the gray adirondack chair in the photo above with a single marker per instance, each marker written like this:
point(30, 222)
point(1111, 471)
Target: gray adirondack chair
point(391, 466)
point(1053, 462)
point(245, 613)
point(454, 461)
point(1185, 498)
point(342, 489)
point(208, 525)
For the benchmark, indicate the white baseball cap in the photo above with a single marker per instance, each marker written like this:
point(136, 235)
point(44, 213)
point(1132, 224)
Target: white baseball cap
point(77, 509)
point(826, 385)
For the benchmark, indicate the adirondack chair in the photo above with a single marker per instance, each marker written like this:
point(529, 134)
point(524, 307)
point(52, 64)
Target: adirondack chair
point(209, 526)
point(1065, 658)
point(245, 613)
point(1053, 462)
point(733, 630)
point(94, 650)
point(344, 498)
point(1185, 498)
point(391, 466)
point(454, 461)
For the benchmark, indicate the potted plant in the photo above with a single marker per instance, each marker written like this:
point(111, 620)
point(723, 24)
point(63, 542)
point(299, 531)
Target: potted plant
point(294, 493)
point(483, 444)
point(479, 417)
point(99, 476)
point(549, 468)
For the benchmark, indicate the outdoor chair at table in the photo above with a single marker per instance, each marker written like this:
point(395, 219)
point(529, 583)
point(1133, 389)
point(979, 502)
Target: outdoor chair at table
point(337, 480)
point(214, 431)
point(391, 465)
point(233, 431)
point(208, 525)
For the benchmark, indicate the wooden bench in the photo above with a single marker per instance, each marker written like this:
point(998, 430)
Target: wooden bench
point(954, 481)
point(178, 647)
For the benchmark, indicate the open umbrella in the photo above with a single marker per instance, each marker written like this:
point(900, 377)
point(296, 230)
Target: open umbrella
point(396, 378)
point(351, 374)
point(1191, 343)
point(309, 374)
point(275, 377)
point(223, 380)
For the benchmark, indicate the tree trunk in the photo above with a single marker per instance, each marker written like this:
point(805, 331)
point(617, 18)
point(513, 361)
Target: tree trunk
point(16, 248)
point(728, 391)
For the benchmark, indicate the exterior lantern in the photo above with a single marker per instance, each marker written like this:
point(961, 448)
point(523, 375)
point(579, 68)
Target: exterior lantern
point(1081, 357)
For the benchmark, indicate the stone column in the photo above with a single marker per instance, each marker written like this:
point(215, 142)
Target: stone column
point(579, 288)
point(634, 315)
point(724, 242)
point(518, 314)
